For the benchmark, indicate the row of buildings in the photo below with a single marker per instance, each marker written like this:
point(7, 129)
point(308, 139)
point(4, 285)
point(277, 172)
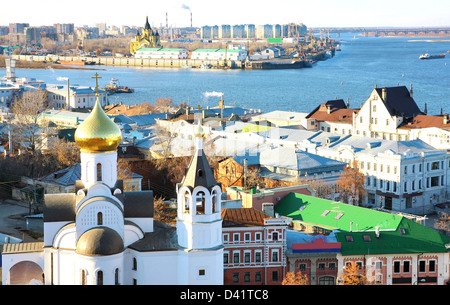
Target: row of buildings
point(251, 31)
point(100, 234)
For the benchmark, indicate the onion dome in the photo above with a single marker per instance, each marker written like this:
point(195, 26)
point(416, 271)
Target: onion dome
point(99, 241)
point(98, 133)
point(198, 132)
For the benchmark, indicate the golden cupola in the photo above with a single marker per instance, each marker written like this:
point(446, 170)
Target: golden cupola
point(98, 133)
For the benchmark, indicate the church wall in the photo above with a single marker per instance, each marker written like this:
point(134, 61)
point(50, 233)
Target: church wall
point(153, 268)
point(145, 224)
point(9, 260)
point(205, 267)
point(50, 231)
point(93, 264)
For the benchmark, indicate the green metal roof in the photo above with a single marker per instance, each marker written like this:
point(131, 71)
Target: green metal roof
point(398, 234)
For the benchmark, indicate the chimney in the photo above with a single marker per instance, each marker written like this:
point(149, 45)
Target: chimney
point(384, 94)
point(377, 232)
point(351, 226)
point(445, 119)
point(328, 109)
point(267, 208)
point(411, 91)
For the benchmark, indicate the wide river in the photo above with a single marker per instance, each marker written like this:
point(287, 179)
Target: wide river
point(352, 74)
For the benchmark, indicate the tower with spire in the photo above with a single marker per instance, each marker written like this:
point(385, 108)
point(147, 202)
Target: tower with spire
point(199, 220)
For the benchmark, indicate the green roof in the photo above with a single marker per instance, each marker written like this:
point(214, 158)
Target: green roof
point(398, 234)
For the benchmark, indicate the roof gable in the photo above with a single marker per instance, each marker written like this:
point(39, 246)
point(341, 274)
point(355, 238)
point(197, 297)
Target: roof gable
point(398, 101)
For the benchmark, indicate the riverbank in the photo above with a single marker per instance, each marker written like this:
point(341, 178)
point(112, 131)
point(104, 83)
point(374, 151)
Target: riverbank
point(26, 64)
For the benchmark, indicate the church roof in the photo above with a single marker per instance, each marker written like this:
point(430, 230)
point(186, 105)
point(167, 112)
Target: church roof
point(147, 25)
point(163, 238)
point(100, 241)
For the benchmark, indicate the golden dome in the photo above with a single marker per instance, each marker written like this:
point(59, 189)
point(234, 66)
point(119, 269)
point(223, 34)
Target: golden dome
point(98, 133)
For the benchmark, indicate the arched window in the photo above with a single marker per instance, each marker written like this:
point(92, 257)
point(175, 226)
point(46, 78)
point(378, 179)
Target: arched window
point(116, 276)
point(134, 263)
point(200, 203)
point(100, 277)
point(83, 277)
point(99, 218)
point(99, 172)
point(186, 202)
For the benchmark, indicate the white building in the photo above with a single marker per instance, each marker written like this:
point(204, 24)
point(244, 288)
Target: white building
point(219, 54)
point(76, 97)
point(102, 235)
point(162, 53)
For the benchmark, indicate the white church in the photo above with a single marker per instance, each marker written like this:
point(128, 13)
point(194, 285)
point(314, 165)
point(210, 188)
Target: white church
point(101, 235)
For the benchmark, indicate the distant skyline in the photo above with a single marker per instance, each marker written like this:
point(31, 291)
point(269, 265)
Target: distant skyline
point(318, 13)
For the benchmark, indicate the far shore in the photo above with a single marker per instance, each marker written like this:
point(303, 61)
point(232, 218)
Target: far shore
point(20, 64)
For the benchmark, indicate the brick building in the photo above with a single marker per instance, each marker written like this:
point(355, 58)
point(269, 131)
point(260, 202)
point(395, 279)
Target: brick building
point(254, 247)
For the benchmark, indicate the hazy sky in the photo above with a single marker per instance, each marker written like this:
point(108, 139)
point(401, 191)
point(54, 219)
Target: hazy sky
point(313, 13)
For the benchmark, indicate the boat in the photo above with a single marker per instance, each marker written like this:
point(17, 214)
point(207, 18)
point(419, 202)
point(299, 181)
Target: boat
point(428, 56)
point(115, 87)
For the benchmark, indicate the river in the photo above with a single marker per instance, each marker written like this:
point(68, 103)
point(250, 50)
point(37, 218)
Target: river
point(351, 74)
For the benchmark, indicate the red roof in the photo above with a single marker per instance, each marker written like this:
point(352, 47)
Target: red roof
point(243, 217)
point(426, 121)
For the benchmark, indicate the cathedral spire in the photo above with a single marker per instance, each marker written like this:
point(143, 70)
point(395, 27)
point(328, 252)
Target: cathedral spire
point(147, 25)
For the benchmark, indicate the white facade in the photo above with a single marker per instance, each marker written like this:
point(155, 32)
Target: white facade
point(77, 97)
point(219, 54)
point(161, 53)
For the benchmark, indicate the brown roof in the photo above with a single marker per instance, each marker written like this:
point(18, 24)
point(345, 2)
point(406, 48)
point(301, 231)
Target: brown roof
point(243, 217)
point(426, 121)
point(336, 115)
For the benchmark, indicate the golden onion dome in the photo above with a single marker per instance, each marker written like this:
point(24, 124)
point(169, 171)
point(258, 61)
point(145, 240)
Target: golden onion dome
point(98, 133)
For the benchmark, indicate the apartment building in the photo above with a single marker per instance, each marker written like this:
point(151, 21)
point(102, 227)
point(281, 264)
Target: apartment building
point(75, 97)
point(254, 247)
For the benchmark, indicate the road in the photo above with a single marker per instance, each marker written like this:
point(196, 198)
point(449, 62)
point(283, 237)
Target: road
point(11, 225)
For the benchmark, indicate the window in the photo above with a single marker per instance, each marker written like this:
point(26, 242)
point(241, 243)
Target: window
point(236, 277)
point(331, 266)
point(99, 172)
point(247, 236)
point(83, 277)
point(367, 238)
point(434, 165)
point(258, 256)
point(349, 238)
point(435, 181)
point(275, 276)
point(321, 266)
point(116, 276)
point(225, 258)
point(258, 277)
point(225, 237)
point(236, 257)
point(275, 236)
point(396, 267)
point(134, 264)
point(247, 277)
point(432, 266)
point(406, 265)
point(99, 218)
point(201, 272)
point(236, 237)
point(422, 266)
point(275, 256)
point(302, 267)
point(100, 277)
point(247, 257)
point(258, 236)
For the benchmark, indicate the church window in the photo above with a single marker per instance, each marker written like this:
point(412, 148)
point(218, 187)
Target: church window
point(83, 277)
point(116, 276)
point(201, 272)
point(100, 277)
point(201, 200)
point(99, 172)
point(99, 218)
point(134, 263)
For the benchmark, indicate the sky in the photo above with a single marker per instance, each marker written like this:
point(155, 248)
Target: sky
point(313, 13)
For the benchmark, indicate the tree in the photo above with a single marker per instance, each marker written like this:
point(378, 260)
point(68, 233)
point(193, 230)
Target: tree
point(163, 211)
point(351, 275)
point(293, 278)
point(27, 111)
point(351, 184)
point(66, 153)
point(443, 222)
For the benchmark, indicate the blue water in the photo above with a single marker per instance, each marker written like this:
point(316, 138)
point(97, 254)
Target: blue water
point(351, 74)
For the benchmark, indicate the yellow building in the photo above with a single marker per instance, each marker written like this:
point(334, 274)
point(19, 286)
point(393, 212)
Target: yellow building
point(146, 39)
